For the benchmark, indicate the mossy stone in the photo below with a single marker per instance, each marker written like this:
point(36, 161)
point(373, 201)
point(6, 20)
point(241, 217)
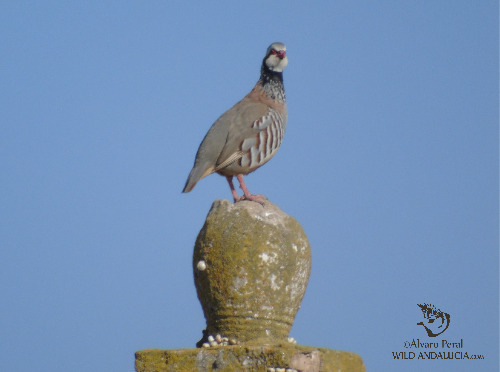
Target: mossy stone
point(251, 266)
point(249, 359)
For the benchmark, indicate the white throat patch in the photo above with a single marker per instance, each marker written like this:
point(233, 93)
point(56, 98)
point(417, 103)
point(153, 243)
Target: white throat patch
point(274, 63)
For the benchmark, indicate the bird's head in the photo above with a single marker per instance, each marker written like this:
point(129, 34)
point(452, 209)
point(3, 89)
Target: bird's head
point(276, 59)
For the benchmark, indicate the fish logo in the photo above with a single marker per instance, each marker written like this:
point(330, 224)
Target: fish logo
point(436, 321)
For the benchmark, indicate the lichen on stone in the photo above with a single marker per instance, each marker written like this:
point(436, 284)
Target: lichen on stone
point(255, 276)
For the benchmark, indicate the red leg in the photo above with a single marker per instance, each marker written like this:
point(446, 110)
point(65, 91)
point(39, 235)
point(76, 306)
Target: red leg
point(233, 190)
point(246, 194)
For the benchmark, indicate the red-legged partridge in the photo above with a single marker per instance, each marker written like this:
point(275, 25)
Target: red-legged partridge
point(248, 134)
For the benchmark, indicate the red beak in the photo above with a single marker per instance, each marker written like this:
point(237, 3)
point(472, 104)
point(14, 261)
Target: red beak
point(281, 54)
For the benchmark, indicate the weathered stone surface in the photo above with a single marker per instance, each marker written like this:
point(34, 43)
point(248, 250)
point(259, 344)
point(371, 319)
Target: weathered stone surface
point(248, 358)
point(251, 266)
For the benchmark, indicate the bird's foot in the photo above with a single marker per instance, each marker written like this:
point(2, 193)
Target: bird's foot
point(251, 197)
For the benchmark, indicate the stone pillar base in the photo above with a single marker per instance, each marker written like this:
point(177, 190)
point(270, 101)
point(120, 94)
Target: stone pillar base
point(248, 358)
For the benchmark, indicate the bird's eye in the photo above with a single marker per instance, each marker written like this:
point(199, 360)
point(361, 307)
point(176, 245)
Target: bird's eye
point(273, 51)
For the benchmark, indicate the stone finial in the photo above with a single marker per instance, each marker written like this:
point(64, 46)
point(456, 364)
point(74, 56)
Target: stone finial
point(251, 266)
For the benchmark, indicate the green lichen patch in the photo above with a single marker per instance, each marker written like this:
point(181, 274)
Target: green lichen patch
point(256, 265)
point(244, 358)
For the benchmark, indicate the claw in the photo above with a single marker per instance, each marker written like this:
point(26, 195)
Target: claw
point(255, 198)
point(246, 194)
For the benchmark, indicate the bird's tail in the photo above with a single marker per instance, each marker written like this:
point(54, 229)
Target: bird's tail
point(196, 174)
point(190, 184)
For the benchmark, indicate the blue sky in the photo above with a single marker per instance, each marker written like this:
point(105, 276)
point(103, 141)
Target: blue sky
point(390, 163)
